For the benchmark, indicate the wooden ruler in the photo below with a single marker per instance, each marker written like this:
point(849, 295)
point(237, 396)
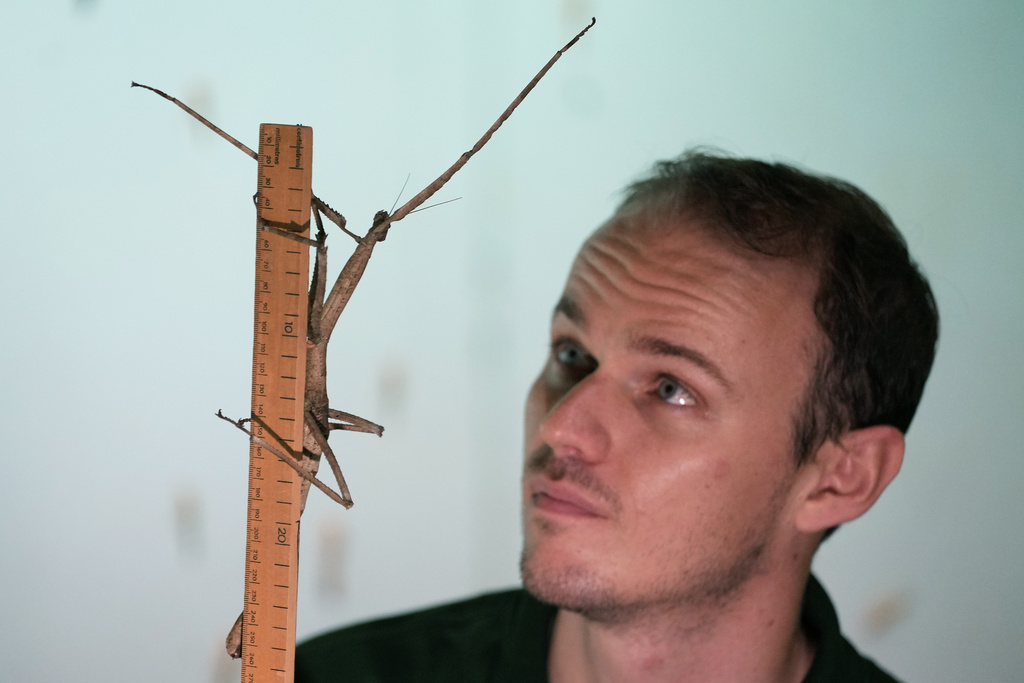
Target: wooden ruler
point(278, 388)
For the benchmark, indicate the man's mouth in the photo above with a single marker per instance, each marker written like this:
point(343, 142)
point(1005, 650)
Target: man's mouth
point(553, 498)
point(566, 487)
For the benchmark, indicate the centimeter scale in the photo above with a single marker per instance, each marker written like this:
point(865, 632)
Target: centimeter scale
point(278, 388)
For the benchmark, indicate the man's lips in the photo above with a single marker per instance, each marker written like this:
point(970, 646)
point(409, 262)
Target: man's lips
point(558, 499)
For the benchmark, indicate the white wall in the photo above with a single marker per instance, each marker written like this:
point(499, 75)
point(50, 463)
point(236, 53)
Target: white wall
point(126, 280)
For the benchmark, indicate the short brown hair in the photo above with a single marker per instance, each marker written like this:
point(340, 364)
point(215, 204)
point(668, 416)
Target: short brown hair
point(873, 305)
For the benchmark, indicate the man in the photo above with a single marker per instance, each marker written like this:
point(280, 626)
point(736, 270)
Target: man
point(734, 361)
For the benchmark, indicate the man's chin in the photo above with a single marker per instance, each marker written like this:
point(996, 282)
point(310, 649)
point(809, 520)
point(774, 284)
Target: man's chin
point(571, 588)
point(575, 587)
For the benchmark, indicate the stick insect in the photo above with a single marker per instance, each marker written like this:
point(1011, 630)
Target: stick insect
point(324, 309)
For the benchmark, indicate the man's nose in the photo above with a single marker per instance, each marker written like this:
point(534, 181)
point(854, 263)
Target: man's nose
point(577, 425)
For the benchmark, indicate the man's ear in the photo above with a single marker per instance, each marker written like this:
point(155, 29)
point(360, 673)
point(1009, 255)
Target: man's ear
point(847, 476)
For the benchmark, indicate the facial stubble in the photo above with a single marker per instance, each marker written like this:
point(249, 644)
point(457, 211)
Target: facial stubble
point(707, 587)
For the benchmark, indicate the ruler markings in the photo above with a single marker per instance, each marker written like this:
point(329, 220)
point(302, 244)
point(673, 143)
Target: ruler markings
point(283, 183)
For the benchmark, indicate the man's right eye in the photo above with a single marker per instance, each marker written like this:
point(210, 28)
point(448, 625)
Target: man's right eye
point(573, 360)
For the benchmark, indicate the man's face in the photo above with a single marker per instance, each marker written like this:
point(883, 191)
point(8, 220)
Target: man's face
point(659, 461)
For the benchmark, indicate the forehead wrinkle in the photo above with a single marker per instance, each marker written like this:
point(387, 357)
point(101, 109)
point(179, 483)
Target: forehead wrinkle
point(611, 256)
point(606, 265)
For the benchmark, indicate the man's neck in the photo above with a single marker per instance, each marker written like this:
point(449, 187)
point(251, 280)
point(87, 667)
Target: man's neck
point(756, 638)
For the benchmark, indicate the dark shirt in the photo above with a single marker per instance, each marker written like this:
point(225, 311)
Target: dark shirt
point(504, 638)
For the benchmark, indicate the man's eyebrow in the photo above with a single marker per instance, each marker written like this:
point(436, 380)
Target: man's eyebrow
point(660, 347)
point(571, 310)
point(654, 346)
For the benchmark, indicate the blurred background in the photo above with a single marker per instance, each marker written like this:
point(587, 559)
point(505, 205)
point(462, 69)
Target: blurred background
point(126, 277)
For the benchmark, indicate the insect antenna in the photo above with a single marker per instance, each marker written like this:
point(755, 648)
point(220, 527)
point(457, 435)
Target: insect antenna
point(430, 206)
point(400, 193)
